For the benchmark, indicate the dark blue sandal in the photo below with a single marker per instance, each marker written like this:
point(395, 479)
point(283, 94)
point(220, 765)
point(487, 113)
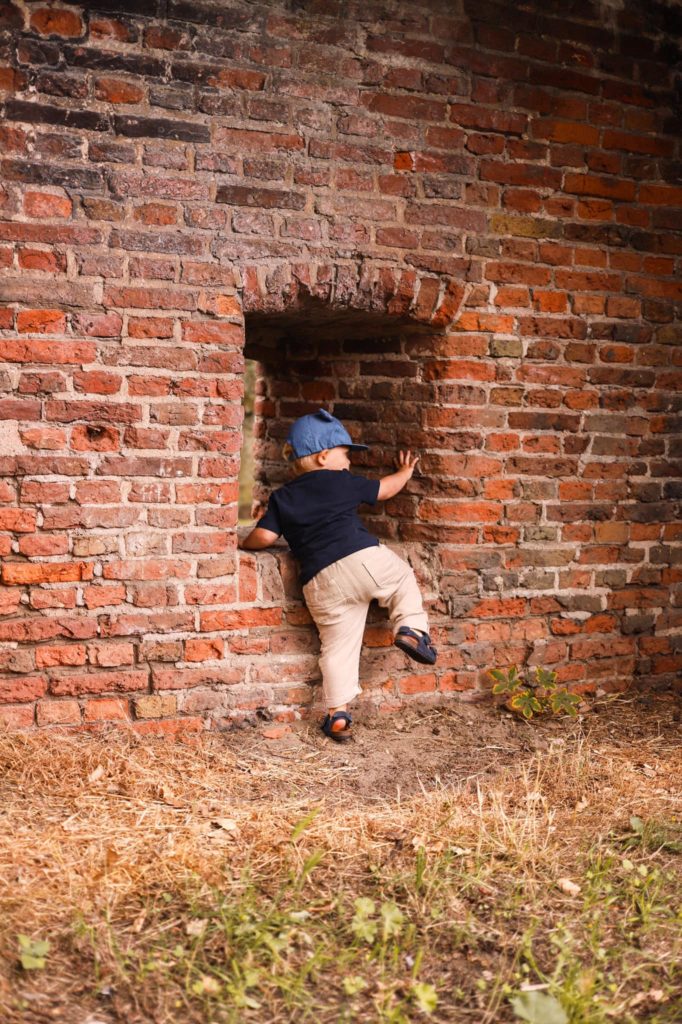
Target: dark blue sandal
point(341, 735)
point(423, 651)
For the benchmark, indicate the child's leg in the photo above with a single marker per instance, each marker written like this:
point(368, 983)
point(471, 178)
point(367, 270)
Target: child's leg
point(339, 613)
point(397, 589)
point(340, 644)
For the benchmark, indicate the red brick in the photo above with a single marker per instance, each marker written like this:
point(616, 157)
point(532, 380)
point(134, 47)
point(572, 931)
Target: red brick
point(62, 598)
point(103, 596)
point(21, 689)
point(37, 492)
point(82, 683)
point(37, 259)
point(41, 321)
point(257, 141)
point(98, 325)
point(423, 683)
point(203, 650)
point(110, 28)
point(95, 438)
point(141, 569)
point(50, 352)
point(44, 205)
point(157, 214)
point(58, 712)
point(163, 37)
point(60, 654)
point(248, 578)
point(459, 511)
point(457, 682)
point(275, 732)
point(108, 709)
point(118, 90)
point(150, 327)
point(591, 185)
point(49, 21)
point(16, 717)
point(111, 655)
point(150, 298)
point(17, 520)
point(46, 572)
point(210, 332)
point(499, 608)
point(97, 382)
point(250, 618)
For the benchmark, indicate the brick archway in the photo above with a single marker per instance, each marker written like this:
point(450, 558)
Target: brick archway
point(408, 295)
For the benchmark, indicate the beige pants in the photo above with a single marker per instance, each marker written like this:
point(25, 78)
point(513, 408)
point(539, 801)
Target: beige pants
point(338, 599)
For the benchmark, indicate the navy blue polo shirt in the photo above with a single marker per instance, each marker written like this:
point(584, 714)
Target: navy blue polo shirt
point(317, 515)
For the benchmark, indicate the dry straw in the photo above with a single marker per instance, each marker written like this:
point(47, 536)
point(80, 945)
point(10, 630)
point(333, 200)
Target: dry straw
point(93, 826)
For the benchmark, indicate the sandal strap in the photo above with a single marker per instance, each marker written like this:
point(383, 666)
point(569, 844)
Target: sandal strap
point(339, 716)
point(418, 635)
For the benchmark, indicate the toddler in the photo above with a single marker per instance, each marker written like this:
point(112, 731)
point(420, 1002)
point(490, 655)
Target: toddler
point(343, 566)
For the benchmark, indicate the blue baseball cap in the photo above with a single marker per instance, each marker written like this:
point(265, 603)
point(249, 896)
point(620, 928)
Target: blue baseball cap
point(319, 430)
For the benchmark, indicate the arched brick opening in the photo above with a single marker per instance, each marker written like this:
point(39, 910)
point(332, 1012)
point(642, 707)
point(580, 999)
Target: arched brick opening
point(364, 343)
point(361, 339)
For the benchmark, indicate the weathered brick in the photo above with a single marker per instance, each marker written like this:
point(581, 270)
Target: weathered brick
point(161, 128)
point(58, 712)
point(155, 706)
point(21, 689)
point(478, 264)
point(44, 205)
point(262, 198)
point(50, 21)
point(107, 709)
point(117, 90)
point(19, 573)
point(62, 684)
point(41, 321)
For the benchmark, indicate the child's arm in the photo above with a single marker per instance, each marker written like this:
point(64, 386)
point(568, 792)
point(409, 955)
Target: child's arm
point(391, 485)
point(258, 539)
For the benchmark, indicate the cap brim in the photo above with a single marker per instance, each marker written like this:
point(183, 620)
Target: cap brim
point(357, 447)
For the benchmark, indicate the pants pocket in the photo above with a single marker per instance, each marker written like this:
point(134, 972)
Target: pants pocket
point(322, 598)
point(384, 567)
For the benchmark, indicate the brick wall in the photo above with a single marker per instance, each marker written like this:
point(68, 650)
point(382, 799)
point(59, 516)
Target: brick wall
point(458, 225)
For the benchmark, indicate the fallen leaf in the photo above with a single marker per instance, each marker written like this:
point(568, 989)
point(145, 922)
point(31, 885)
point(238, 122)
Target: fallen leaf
point(138, 923)
point(168, 796)
point(229, 824)
point(195, 927)
point(538, 1008)
point(569, 887)
point(111, 856)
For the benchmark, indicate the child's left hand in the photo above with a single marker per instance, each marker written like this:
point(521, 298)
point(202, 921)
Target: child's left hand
point(407, 462)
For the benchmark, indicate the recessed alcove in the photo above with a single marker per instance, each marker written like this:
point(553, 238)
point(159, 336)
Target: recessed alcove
point(359, 366)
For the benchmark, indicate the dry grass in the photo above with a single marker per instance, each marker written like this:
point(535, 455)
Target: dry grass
point(163, 874)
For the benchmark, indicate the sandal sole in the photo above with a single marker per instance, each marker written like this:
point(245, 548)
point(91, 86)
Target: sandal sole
point(413, 653)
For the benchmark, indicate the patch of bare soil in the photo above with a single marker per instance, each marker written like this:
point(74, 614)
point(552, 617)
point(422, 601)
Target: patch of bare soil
point(402, 754)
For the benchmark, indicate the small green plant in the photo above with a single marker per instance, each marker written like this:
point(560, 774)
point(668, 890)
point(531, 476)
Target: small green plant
point(32, 954)
point(538, 1008)
point(530, 694)
point(653, 836)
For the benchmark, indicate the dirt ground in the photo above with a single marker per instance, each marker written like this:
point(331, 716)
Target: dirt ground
point(400, 754)
point(97, 827)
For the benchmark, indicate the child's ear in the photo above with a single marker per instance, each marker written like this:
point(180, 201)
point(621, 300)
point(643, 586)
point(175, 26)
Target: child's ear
point(321, 457)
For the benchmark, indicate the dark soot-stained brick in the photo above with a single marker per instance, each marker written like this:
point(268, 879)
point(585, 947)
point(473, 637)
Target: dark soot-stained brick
point(160, 128)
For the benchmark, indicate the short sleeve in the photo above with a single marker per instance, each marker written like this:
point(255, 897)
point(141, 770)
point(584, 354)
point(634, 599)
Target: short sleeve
point(366, 491)
point(271, 521)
